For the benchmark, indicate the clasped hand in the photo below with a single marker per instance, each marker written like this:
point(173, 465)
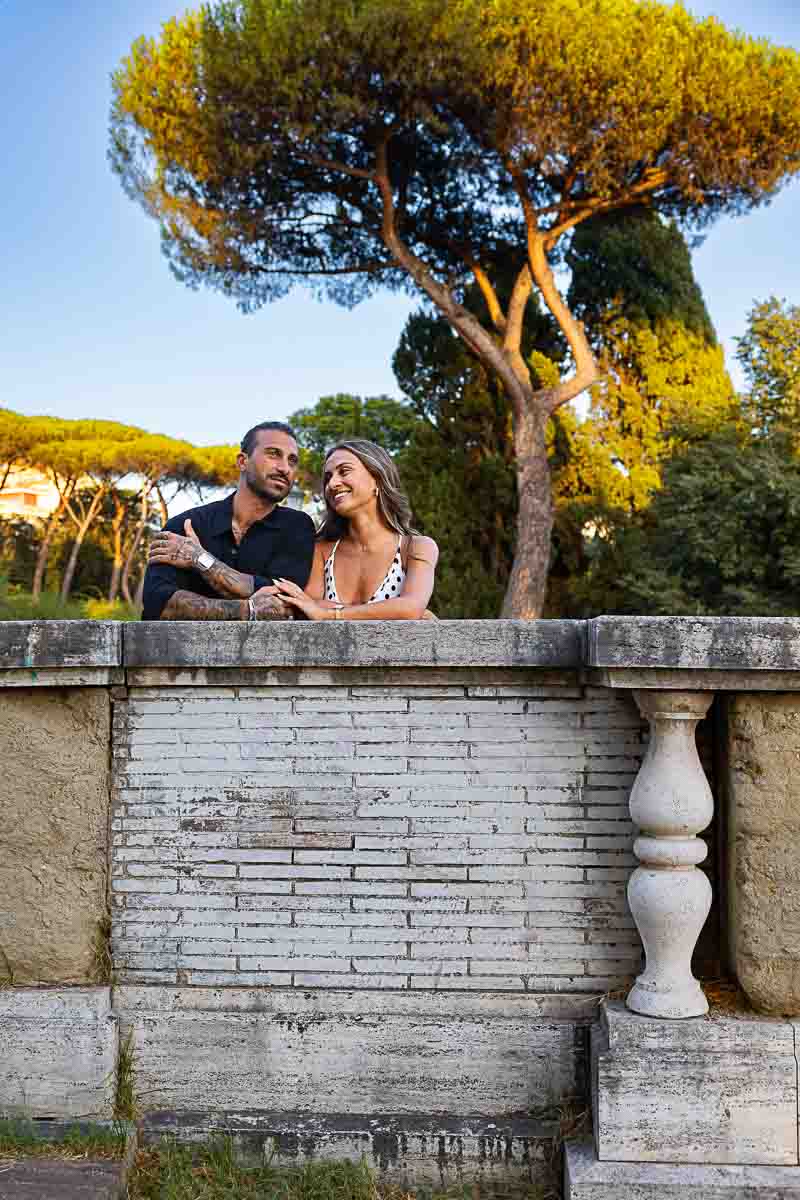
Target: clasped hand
point(183, 552)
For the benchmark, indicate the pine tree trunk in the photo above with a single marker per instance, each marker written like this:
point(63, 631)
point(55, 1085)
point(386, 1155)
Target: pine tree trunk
point(139, 598)
point(72, 562)
point(527, 584)
point(126, 570)
point(83, 529)
point(53, 522)
point(116, 567)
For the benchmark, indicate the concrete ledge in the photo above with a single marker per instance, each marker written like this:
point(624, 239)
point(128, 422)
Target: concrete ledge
point(32, 645)
point(503, 1154)
point(695, 643)
point(345, 1052)
point(59, 1052)
point(586, 1178)
point(355, 644)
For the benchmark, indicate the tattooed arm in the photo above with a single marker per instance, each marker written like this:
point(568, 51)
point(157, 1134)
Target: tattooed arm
point(188, 606)
point(170, 549)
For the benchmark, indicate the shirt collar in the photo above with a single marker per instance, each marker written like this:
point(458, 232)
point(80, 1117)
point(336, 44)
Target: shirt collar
point(222, 519)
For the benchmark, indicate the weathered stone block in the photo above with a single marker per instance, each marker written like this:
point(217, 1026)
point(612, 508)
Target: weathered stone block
point(355, 644)
point(586, 1178)
point(54, 798)
point(348, 1052)
point(764, 833)
point(59, 1052)
point(703, 1090)
point(695, 643)
point(501, 1157)
point(30, 645)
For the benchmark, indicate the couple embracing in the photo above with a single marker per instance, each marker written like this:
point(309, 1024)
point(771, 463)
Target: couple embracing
point(249, 558)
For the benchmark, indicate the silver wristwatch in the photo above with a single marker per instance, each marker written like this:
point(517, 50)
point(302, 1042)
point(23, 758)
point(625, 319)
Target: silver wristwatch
point(205, 561)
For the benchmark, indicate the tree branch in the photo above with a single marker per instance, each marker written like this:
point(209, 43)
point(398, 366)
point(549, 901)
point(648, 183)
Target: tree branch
point(490, 296)
point(516, 309)
point(586, 371)
point(332, 164)
point(465, 324)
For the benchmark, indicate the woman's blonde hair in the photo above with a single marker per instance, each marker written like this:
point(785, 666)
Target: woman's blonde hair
point(393, 503)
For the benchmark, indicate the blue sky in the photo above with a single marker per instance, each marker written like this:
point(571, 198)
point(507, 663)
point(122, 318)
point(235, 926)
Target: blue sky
point(95, 324)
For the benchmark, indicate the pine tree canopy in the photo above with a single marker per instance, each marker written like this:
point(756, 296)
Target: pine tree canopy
point(263, 133)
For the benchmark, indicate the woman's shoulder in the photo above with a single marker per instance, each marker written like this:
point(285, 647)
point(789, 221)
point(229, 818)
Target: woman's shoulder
point(423, 549)
point(324, 548)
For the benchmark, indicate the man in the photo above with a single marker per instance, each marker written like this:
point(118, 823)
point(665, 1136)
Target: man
point(219, 562)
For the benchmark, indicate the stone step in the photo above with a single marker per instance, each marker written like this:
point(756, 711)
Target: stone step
point(62, 1179)
point(503, 1155)
point(586, 1178)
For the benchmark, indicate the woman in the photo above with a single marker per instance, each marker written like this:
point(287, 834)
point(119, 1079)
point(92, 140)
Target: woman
point(369, 563)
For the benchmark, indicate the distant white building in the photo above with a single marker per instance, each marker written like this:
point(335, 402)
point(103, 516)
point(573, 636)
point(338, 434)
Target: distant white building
point(28, 494)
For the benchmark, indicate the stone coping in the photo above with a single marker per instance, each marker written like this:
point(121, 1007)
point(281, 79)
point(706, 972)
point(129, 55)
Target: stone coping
point(695, 643)
point(356, 644)
point(30, 645)
point(706, 653)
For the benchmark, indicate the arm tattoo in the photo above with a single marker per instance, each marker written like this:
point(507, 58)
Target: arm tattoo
point(188, 606)
point(229, 582)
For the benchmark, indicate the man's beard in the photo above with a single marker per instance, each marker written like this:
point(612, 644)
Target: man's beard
point(262, 487)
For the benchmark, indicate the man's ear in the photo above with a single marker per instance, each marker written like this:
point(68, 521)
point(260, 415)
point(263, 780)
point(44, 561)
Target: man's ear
point(241, 460)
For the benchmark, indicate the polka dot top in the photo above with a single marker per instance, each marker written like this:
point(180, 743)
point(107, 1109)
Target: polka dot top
point(388, 590)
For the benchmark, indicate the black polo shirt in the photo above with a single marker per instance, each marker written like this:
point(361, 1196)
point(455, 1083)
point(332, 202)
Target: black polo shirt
point(280, 544)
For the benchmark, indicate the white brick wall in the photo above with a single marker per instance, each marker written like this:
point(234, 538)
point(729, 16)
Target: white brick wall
point(399, 837)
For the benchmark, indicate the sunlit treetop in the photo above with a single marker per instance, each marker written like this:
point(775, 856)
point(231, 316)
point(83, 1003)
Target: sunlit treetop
point(256, 131)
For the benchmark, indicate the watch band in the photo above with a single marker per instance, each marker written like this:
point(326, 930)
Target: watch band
point(251, 608)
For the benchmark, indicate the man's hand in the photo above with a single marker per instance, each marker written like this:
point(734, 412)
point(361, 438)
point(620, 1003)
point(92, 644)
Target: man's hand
point(269, 607)
point(175, 550)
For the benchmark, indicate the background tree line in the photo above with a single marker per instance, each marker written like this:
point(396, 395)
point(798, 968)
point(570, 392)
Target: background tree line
point(112, 483)
point(672, 493)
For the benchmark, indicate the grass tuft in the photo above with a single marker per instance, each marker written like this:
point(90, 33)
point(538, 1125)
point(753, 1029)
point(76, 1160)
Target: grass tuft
point(126, 1103)
point(210, 1172)
point(171, 1171)
point(102, 963)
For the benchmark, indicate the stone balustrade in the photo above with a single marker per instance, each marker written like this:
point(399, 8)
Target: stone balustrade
point(389, 852)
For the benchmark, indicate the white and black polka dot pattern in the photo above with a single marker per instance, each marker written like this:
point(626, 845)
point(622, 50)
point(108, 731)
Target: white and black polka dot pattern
point(391, 586)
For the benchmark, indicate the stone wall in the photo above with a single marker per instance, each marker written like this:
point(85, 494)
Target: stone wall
point(369, 869)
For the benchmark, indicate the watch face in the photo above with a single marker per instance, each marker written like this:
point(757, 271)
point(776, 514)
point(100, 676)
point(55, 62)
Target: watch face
point(205, 560)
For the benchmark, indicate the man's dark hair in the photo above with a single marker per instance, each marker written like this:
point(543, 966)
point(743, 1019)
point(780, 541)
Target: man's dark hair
point(251, 437)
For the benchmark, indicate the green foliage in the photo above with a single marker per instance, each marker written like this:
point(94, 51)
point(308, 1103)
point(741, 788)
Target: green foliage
point(770, 355)
point(333, 418)
point(17, 605)
point(720, 537)
point(109, 610)
point(638, 265)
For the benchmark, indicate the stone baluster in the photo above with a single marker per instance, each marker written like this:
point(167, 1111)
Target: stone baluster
point(669, 898)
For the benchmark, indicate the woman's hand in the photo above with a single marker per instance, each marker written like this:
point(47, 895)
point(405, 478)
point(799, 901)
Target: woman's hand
point(313, 610)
